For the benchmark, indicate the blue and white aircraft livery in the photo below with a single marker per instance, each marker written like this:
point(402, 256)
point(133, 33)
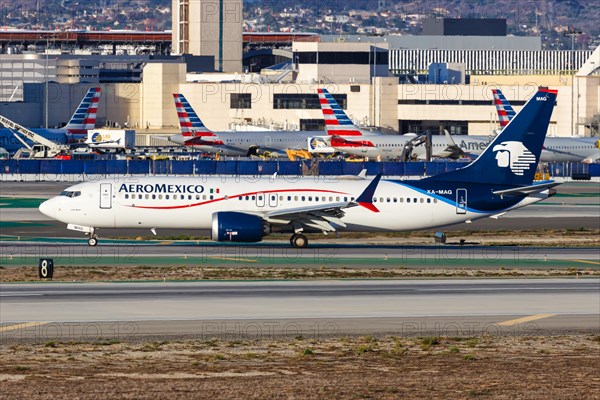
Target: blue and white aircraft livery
point(499, 180)
point(83, 119)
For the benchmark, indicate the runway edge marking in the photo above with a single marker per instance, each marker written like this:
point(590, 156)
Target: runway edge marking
point(530, 318)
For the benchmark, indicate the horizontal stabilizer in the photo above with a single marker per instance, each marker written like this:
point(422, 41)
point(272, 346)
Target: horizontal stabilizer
point(525, 190)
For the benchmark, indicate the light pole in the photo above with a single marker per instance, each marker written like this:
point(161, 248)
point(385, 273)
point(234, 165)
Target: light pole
point(46, 73)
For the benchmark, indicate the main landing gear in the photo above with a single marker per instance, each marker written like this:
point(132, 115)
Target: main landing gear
point(299, 241)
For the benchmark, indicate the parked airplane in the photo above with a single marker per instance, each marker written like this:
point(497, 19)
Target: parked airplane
point(394, 147)
point(195, 133)
point(499, 180)
point(83, 119)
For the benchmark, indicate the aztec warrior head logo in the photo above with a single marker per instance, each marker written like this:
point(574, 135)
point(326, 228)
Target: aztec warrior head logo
point(514, 155)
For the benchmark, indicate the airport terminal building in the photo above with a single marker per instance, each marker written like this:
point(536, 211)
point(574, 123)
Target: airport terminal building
point(400, 84)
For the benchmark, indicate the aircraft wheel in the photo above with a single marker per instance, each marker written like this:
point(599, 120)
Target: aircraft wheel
point(299, 241)
point(93, 241)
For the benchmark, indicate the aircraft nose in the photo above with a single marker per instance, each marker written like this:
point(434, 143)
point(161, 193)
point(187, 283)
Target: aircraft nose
point(47, 208)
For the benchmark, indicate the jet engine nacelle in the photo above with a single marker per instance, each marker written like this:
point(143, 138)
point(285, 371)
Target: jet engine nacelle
point(231, 226)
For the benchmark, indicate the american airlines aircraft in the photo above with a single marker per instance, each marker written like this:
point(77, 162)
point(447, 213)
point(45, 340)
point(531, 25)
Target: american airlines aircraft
point(499, 180)
point(195, 133)
point(391, 147)
point(83, 119)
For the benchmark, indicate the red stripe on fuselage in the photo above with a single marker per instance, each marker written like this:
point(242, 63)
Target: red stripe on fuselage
point(236, 196)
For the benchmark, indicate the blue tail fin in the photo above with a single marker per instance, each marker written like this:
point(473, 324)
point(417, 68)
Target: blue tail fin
point(512, 157)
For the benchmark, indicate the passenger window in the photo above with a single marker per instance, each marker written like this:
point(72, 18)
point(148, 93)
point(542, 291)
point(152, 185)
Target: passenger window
point(295, 198)
point(280, 198)
point(345, 198)
point(395, 200)
point(247, 197)
point(289, 198)
point(160, 196)
point(374, 199)
point(408, 199)
point(303, 198)
point(253, 198)
point(211, 196)
point(401, 199)
point(147, 196)
point(197, 197)
point(429, 200)
point(330, 198)
point(203, 197)
point(388, 199)
point(166, 196)
point(381, 199)
point(337, 198)
point(323, 198)
point(435, 200)
point(126, 196)
point(422, 200)
point(190, 197)
point(415, 200)
point(174, 197)
point(153, 196)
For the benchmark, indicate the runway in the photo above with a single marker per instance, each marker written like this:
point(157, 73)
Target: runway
point(329, 307)
point(280, 254)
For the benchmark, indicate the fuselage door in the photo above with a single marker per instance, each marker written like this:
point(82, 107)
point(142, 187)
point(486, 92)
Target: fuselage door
point(461, 201)
point(272, 199)
point(260, 199)
point(105, 195)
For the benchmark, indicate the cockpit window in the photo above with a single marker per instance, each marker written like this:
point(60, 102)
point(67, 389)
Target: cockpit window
point(68, 193)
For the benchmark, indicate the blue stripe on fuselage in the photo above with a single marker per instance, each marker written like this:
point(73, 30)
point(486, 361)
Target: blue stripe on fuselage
point(479, 197)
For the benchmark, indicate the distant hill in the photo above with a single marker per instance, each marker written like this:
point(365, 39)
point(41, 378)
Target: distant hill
point(548, 18)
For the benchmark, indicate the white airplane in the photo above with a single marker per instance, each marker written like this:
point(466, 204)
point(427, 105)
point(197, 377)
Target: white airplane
point(394, 147)
point(275, 143)
point(499, 180)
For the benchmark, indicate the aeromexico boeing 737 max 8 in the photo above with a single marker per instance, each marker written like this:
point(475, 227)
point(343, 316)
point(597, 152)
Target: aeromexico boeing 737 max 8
point(499, 180)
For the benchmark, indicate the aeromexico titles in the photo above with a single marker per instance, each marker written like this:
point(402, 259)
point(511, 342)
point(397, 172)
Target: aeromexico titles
point(235, 210)
point(83, 119)
point(342, 135)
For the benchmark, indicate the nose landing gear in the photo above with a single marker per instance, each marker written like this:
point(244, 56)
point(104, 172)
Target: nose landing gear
point(93, 240)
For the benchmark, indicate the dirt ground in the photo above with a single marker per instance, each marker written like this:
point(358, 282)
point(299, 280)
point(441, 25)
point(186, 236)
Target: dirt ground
point(554, 367)
point(182, 273)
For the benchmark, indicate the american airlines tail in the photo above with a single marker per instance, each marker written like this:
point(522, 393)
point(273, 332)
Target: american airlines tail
point(515, 151)
point(336, 120)
point(503, 107)
point(84, 117)
point(191, 125)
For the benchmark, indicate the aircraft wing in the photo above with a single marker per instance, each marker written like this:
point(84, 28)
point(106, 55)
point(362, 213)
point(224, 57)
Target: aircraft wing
point(324, 217)
point(525, 190)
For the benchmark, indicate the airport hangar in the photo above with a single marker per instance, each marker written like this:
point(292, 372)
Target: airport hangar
point(380, 83)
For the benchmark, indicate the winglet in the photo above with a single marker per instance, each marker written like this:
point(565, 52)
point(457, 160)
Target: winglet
point(366, 197)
